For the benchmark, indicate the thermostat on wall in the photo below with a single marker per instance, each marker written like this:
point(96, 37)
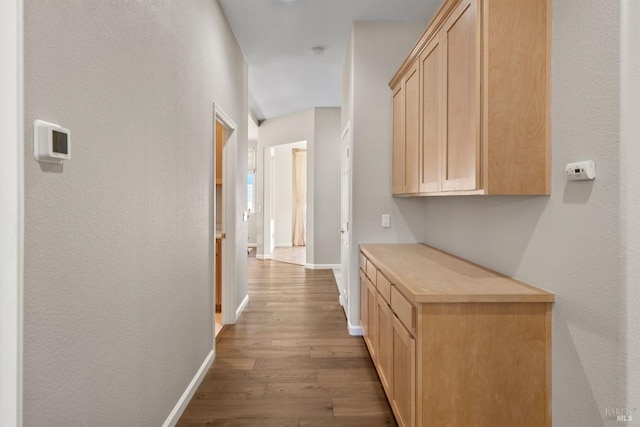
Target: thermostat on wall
point(51, 143)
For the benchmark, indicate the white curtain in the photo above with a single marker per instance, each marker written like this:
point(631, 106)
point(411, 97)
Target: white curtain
point(299, 197)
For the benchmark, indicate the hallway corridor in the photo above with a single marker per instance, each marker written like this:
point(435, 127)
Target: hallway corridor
point(289, 361)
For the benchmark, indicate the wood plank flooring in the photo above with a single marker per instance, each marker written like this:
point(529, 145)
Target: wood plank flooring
point(292, 255)
point(289, 361)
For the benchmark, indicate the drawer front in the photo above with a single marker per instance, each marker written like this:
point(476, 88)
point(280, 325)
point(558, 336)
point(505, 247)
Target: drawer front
point(384, 287)
point(371, 272)
point(363, 262)
point(405, 311)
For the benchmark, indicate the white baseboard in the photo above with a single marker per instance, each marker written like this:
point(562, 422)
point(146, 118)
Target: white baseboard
point(322, 266)
point(284, 245)
point(258, 256)
point(184, 400)
point(242, 306)
point(354, 330)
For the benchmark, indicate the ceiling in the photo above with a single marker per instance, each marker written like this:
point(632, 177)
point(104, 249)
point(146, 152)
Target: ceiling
point(277, 37)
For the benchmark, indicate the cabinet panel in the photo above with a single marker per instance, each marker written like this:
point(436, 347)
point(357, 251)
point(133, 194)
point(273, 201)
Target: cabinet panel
point(364, 317)
point(372, 320)
point(385, 344)
point(411, 129)
point(461, 154)
point(397, 178)
point(384, 287)
point(371, 272)
point(403, 375)
point(363, 262)
point(405, 311)
point(431, 115)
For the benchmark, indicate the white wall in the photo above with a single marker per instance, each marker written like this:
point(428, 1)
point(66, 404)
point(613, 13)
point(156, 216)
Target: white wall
point(377, 49)
point(11, 211)
point(118, 299)
point(573, 243)
point(317, 126)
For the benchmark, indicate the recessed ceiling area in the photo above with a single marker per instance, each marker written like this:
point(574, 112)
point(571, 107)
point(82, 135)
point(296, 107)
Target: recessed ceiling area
point(278, 37)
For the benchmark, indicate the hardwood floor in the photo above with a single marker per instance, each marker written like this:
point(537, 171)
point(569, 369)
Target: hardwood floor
point(292, 255)
point(289, 361)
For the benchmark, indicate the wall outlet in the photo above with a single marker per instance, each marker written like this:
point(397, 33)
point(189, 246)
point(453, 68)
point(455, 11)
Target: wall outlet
point(386, 221)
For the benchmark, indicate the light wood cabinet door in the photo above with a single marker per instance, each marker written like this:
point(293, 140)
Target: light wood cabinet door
point(364, 318)
point(403, 375)
point(397, 177)
point(411, 84)
point(372, 320)
point(431, 69)
point(461, 45)
point(385, 344)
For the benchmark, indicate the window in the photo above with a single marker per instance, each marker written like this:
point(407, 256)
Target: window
point(250, 192)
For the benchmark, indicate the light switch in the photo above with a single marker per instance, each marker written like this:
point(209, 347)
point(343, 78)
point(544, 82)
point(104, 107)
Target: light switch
point(386, 221)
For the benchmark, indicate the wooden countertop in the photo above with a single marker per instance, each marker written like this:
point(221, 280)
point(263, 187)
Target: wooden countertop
point(427, 275)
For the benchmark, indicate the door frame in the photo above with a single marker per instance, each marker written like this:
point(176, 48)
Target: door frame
point(345, 215)
point(229, 315)
point(351, 287)
point(11, 219)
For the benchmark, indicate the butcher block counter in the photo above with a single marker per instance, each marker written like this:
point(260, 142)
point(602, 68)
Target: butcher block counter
point(425, 274)
point(454, 343)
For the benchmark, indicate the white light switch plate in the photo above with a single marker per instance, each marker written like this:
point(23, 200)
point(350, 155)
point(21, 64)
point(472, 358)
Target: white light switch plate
point(386, 221)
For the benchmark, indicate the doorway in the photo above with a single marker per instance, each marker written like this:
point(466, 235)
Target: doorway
point(225, 229)
point(220, 141)
point(286, 202)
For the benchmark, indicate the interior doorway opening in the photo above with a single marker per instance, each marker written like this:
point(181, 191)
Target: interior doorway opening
point(286, 202)
point(221, 137)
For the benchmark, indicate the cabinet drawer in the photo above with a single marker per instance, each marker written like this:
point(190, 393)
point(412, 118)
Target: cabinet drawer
point(371, 272)
point(363, 262)
point(405, 311)
point(384, 287)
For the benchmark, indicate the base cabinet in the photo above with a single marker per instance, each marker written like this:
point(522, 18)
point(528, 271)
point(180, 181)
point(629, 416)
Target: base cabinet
point(391, 346)
point(470, 348)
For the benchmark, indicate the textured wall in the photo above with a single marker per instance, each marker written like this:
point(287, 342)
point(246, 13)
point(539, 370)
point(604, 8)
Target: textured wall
point(570, 242)
point(327, 187)
point(117, 291)
point(378, 50)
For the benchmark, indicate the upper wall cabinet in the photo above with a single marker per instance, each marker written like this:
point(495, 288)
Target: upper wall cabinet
point(471, 103)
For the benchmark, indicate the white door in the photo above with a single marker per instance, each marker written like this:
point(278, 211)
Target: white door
point(345, 226)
